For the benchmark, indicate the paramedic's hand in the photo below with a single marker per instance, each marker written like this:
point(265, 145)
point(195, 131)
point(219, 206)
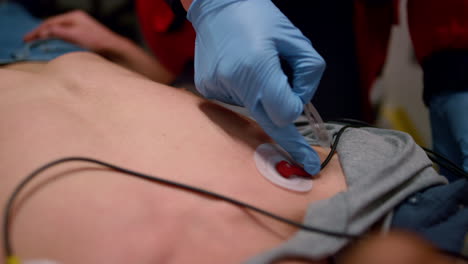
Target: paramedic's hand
point(237, 60)
point(79, 28)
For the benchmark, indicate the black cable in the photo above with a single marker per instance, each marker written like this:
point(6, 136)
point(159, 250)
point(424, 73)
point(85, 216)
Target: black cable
point(347, 124)
point(334, 146)
point(17, 190)
point(8, 208)
point(446, 163)
point(433, 156)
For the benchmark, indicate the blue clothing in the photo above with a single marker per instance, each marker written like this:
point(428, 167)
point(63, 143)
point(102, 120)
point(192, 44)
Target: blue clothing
point(381, 167)
point(15, 22)
point(445, 71)
point(446, 95)
point(439, 213)
point(450, 127)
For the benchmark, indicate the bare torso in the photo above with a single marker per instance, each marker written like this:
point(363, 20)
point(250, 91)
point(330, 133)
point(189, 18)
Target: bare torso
point(81, 105)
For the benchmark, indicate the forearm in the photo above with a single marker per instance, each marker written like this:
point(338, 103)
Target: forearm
point(186, 3)
point(124, 52)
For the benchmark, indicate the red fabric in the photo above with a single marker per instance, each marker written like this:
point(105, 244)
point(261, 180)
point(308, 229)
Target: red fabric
point(172, 49)
point(372, 25)
point(438, 24)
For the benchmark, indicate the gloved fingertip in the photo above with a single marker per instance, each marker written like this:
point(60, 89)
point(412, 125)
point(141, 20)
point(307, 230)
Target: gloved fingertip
point(311, 162)
point(312, 167)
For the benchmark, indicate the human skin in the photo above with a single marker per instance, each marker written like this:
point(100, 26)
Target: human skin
point(399, 247)
point(79, 28)
point(82, 105)
point(186, 4)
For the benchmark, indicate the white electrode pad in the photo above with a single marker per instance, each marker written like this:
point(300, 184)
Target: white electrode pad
point(266, 157)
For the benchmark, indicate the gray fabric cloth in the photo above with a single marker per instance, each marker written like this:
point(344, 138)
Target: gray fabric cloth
point(382, 168)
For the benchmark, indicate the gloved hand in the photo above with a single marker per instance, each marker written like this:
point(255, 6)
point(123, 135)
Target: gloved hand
point(237, 60)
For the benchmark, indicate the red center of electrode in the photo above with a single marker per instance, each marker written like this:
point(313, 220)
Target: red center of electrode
point(287, 170)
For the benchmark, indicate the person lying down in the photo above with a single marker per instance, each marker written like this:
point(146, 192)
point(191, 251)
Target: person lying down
point(79, 104)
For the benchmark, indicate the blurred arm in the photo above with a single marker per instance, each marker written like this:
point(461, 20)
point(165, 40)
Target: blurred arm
point(81, 29)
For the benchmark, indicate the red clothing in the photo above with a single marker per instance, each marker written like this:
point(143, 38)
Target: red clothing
point(173, 49)
point(438, 25)
point(372, 26)
point(434, 26)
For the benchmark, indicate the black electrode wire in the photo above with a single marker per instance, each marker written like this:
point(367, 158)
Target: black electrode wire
point(446, 163)
point(433, 156)
point(8, 208)
point(337, 137)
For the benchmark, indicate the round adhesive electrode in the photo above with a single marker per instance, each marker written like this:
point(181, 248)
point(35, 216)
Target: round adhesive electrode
point(266, 157)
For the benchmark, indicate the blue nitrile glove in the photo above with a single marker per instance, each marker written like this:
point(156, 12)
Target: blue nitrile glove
point(237, 60)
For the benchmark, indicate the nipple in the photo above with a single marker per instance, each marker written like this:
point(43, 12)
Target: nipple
point(287, 170)
point(276, 166)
